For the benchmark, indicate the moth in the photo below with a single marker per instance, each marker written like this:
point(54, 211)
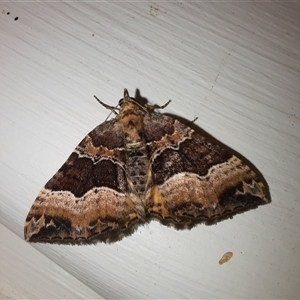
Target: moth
point(139, 166)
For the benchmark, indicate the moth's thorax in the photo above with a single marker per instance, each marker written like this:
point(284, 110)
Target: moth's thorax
point(132, 120)
point(131, 116)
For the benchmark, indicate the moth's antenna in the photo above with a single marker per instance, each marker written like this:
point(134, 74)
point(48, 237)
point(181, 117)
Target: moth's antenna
point(153, 107)
point(111, 108)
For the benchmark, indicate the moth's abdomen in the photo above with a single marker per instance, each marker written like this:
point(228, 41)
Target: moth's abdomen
point(137, 166)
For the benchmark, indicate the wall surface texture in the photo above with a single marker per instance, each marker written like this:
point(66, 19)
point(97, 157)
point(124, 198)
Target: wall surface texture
point(234, 65)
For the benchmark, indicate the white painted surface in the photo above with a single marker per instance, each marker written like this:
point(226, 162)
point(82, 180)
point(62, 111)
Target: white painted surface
point(235, 65)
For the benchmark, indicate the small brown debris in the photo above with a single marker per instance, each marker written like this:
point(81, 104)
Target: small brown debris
point(225, 258)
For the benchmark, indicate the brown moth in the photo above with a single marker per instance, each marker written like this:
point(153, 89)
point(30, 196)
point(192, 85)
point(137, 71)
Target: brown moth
point(140, 166)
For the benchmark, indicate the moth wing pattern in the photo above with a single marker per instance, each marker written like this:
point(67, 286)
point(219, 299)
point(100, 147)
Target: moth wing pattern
point(193, 180)
point(89, 198)
point(140, 166)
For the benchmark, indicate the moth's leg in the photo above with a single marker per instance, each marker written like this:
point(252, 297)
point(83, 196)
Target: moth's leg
point(191, 122)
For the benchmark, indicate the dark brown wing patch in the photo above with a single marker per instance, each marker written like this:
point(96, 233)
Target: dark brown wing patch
point(89, 198)
point(196, 181)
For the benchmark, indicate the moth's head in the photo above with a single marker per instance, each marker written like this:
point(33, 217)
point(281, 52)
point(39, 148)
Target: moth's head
point(126, 98)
